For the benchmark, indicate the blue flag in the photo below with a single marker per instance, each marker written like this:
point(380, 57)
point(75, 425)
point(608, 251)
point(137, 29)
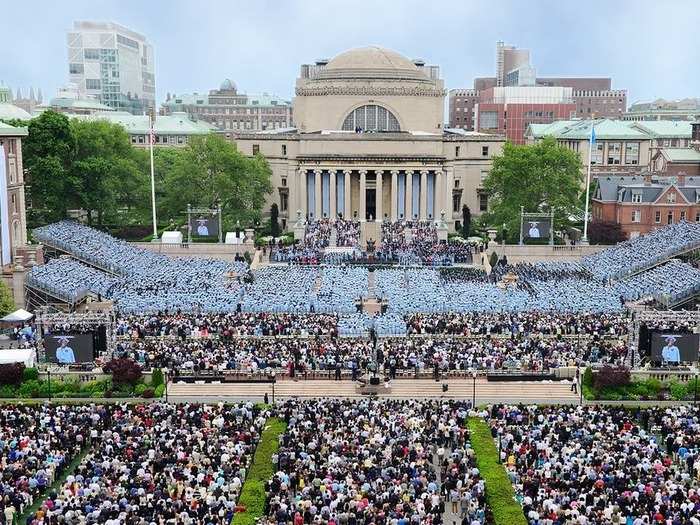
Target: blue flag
point(592, 135)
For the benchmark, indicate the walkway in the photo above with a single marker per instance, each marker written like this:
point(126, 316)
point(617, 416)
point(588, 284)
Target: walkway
point(486, 392)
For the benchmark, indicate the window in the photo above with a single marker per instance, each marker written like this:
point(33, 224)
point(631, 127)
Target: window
point(484, 151)
point(671, 198)
point(76, 69)
point(284, 181)
point(457, 183)
point(283, 202)
point(632, 153)
point(597, 154)
point(371, 117)
point(683, 215)
point(657, 217)
point(127, 41)
point(284, 149)
point(669, 218)
point(636, 216)
point(256, 149)
point(697, 216)
point(456, 151)
point(483, 202)
point(614, 152)
point(637, 196)
point(488, 120)
point(93, 83)
point(91, 54)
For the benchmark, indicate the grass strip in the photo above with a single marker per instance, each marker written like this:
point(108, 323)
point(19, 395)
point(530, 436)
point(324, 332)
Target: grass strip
point(55, 486)
point(499, 490)
point(253, 492)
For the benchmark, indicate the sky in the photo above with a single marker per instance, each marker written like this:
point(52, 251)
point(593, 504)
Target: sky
point(649, 48)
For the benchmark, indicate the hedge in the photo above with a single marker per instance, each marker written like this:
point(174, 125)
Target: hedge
point(499, 491)
point(253, 496)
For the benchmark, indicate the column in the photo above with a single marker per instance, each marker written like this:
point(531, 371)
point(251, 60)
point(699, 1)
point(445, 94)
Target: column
point(379, 196)
point(318, 213)
point(423, 195)
point(394, 194)
point(347, 196)
point(408, 213)
point(301, 193)
point(363, 195)
point(439, 205)
point(448, 183)
point(333, 194)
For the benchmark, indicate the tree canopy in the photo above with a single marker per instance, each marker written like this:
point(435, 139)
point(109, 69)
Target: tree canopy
point(539, 177)
point(91, 165)
point(209, 171)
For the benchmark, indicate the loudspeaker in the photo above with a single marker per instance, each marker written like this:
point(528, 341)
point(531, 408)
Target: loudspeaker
point(374, 381)
point(100, 339)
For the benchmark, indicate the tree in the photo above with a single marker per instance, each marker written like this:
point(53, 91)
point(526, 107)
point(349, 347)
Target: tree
point(48, 156)
point(209, 171)
point(106, 170)
point(123, 370)
point(466, 220)
point(274, 222)
point(7, 302)
point(605, 232)
point(539, 177)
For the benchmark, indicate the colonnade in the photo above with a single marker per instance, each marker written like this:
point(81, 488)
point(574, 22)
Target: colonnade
point(373, 193)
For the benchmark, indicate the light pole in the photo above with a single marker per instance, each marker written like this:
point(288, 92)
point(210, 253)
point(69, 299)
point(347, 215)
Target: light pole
point(48, 375)
point(166, 385)
point(695, 398)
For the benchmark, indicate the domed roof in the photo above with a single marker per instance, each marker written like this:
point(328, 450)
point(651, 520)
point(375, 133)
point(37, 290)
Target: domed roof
point(10, 111)
point(228, 85)
point(371, 62)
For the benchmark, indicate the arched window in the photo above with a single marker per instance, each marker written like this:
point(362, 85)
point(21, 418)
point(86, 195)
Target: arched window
point(371, 118)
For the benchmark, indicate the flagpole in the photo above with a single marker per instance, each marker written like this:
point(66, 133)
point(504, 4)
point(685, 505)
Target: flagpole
point(591, 142)
point(151, 140)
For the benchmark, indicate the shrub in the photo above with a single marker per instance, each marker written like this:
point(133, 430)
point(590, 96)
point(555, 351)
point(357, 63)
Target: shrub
point(159, 391)
point(678, 391)
point(97, 394)
point(11, 373)
point(29, 374)
point(30, 389)
point(8, 391)
point(147, 393)
point(156, 377)
point(124, 371)
point(611, 376)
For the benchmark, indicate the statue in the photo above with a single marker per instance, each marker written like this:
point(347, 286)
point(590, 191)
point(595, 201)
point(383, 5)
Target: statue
point(300, 222)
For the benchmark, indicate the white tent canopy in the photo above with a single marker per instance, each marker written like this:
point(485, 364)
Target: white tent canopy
point(18, 355)
point(18, 316)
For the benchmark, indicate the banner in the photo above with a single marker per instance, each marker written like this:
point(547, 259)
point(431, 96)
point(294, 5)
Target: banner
point(4, 211)
point(204, 224)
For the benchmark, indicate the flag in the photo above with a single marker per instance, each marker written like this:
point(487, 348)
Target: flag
point(592, 135)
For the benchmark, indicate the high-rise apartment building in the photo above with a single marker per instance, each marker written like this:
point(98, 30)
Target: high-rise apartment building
point(591, 97)
point(113, 64)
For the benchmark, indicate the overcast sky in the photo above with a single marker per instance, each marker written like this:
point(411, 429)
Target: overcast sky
point(649, 48)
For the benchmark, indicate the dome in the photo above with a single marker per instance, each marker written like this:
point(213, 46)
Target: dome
point(228, 85)
point(372, 62)
point(10, 111)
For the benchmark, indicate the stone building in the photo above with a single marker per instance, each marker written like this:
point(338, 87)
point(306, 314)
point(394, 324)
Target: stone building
point(369, 143)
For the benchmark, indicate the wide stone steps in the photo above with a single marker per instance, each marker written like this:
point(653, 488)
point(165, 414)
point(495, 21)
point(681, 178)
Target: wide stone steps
point(486, 392)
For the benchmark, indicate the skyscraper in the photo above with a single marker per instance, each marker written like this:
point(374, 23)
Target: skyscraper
point(113, 64)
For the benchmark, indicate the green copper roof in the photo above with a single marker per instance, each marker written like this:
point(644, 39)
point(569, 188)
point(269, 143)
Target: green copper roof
point(681, 154)
point(175, 124)
point(11, 131)
point(607, 129)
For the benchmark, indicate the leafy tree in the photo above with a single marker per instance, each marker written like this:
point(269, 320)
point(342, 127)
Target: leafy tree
point(7, 302)
point(274, 221)
point(11, 373)
point(605, 232)
point(611, 376)
point(209, 171)
point(106, 169)
point(538, 177)
point(466, 221)
point(124, 371)
point(48, 156)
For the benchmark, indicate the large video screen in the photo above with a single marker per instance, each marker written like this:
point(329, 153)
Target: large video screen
point(534, 229)
point(205, 225)
point(69, 349)
point(672, 348)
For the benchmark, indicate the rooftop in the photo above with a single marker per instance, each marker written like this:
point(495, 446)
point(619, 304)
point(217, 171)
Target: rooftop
point(176, 124)
point(12, 131)
point(607, 129)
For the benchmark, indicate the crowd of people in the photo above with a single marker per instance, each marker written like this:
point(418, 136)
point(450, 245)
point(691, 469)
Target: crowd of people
point(383, 462)
point(592, 464)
